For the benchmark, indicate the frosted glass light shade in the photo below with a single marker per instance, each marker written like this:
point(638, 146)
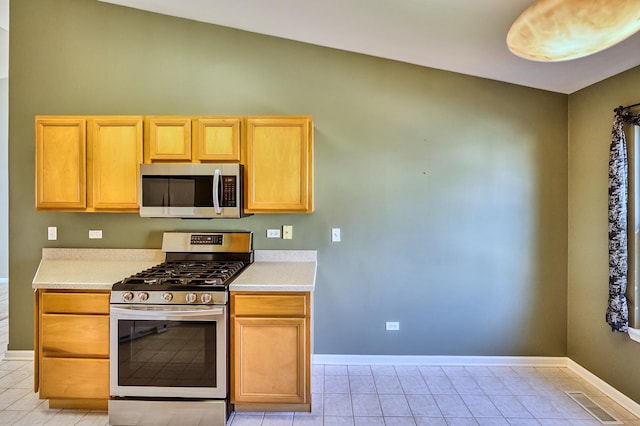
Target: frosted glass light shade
point(559, 30)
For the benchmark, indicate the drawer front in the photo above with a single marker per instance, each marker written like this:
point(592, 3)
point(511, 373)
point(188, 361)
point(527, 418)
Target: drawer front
point(251, 304)
point(75, 335)
point(75, 303)
point(74, 378)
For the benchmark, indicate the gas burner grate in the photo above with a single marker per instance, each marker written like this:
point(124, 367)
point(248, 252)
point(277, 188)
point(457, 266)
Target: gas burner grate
point(186, 273)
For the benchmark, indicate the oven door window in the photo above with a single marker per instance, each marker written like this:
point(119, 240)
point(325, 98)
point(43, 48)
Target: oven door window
point(167, 353)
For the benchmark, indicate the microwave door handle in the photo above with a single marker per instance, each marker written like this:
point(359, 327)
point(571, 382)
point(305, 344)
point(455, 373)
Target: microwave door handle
point(216, 191)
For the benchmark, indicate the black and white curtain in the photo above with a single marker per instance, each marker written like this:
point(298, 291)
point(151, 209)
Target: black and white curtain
point(617, 310)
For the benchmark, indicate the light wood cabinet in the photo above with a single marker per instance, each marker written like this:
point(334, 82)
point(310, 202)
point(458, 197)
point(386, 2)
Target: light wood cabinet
point(216, 139)
point(278, 158)
point(72, 348)
point(61, 166)
point(192, 139)
point(114, 157)
point(270, 351)
point(88, 163)
point(167, 139)
point(92, 163)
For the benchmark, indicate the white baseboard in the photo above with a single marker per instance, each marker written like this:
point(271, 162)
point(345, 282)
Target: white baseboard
point(605, 387)
point(440, 360)
point(18, 356)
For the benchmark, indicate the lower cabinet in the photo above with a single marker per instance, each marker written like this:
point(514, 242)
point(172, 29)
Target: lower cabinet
point(72, 348)
point(270, 351)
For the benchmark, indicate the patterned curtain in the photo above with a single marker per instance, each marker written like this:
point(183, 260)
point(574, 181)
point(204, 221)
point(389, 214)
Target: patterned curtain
point(617, 315)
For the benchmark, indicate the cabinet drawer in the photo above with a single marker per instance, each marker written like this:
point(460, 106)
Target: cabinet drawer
point(75, 335)
point(243, 304)
point(75, 303)
point(74, 378)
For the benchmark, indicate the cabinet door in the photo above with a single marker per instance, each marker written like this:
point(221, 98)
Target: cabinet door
point(279, 165)
point(167, 139)
point(61, 163)
point(270, 363)
point(114, 157)
point(216, 139)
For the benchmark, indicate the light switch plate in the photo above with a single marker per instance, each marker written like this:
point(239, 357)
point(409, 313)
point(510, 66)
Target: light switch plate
point(52, 233)
point(335, 235)
point(95, 234)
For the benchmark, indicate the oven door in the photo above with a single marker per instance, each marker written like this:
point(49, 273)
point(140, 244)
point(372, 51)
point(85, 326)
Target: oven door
point(168, 351)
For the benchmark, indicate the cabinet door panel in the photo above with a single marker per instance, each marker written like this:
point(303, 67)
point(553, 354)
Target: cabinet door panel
point(115, 154)
point(61, 163)
point(270, 362)
point(217, 139)
point(279, 165)
point(167, 138)
point(74, 378)
point(74, 335)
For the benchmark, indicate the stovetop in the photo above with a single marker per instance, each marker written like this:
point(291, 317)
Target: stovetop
point(183, 275)
point(198, 269)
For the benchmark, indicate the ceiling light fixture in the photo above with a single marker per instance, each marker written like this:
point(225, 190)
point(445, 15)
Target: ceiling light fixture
point(559, 30)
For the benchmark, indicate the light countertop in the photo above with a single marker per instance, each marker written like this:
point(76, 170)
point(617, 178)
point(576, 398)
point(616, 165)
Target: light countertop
point(279, 270)
point(99, 269)
point(91, 269)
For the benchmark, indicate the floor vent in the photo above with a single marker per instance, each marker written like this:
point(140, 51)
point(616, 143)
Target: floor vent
point(593, 408)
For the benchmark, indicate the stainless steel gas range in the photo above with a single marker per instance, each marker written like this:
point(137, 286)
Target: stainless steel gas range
point(169, 332)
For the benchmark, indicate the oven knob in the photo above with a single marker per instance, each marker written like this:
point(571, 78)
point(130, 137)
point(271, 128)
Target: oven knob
point(167, 297)
point(191, 297)
point(127, 296)
point(144, 296)
point(206, 298)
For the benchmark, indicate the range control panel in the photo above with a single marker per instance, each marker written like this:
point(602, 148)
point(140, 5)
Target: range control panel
point(206, 239)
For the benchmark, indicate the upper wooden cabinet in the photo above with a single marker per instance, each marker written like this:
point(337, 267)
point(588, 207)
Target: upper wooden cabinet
point(92, 163)
point(192, 139)
point(114, 157)
point(167, 139)
point(61, 166)
point(88, 163)
point(278, 165)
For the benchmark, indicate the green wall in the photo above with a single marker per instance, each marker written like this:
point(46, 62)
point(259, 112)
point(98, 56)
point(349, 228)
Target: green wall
point(451, 190)
point(611, 356)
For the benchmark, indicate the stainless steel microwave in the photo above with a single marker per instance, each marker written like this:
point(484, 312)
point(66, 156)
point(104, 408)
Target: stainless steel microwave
point(191, 190)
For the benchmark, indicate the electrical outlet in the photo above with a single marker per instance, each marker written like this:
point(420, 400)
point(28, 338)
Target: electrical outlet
point(95, 234)
point(273, 233)
point(335, 235)
point(392, 326)
point(52, 233)
point(287, 232)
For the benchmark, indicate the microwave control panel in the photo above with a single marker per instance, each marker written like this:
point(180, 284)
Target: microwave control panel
point(229, 185)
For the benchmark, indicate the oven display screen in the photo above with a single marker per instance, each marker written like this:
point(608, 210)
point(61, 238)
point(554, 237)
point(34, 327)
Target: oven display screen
point(167, 353)
point(204, 239)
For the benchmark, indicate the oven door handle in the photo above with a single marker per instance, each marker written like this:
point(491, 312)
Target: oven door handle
point(167, 313)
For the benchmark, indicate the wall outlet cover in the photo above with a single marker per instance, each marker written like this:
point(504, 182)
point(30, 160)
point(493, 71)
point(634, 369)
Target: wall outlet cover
point(273, 233)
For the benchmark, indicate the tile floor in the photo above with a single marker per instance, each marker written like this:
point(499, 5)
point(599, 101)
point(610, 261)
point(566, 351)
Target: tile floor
point(376, 395)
